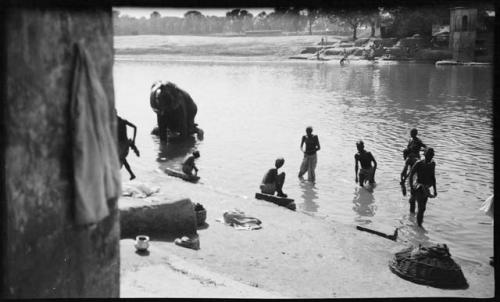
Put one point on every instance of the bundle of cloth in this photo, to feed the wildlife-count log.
(240, 221)
(138, 190)
(487, 206)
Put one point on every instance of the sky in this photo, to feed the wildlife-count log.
(138, 12)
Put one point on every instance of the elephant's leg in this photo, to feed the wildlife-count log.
(190, 119)
(162, 126)
(191, 110)
(184, 126)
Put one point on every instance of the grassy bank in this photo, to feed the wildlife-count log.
(278, 46)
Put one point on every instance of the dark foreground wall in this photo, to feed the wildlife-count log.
(45, 254)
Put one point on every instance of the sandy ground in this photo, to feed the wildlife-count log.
(294, 255)
(161, 274)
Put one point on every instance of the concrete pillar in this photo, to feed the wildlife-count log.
(45, 255)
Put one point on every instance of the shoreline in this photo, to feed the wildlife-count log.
(333, 260)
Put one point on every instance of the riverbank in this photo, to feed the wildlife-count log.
(293, 255)
(192, 46)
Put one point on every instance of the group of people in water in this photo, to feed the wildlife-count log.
(420, 173)
(365, 166)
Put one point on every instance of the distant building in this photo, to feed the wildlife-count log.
(463, 30)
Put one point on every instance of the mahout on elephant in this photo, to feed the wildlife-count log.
(175, 111)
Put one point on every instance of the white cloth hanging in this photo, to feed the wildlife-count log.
(487, 206)
(95, 157)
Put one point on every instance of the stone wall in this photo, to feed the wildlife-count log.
(45, 254)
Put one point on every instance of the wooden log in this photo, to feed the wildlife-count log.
(281, 201)
(392, 237)
(166, 218)
(174, 173)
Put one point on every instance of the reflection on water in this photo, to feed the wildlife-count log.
(172, 153)
(364, 204)
(169, 151)
(411, 233)
(253, 112)
(309, 195)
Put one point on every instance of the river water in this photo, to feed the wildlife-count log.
(253, 110)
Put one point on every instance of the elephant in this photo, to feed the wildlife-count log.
(175, 110)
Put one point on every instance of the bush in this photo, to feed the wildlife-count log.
(334, 52)
(358, 52)
(395, 51)
(360, 42)
(310, 50)
(388, 42)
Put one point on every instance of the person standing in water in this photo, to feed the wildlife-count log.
(426, 178)
(415, 145)
(310, 157)
(365, 158)
(344, 58)
(273, 181)
(124, 143)
(411, 155)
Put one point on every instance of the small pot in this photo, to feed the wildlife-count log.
(142, 242)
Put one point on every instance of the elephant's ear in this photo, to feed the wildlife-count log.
(154, 97)
(155, 85)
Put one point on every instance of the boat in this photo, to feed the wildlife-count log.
(281, 201)
(174, 173)
(450, 62)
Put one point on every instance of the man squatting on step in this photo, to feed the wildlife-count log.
(188, 165)
(272, 181)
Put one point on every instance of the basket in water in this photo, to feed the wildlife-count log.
(429, 266)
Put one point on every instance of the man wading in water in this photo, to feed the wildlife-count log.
(272, 181)
(420, 191)
(367, 172)
(310, 158)
(411, 155)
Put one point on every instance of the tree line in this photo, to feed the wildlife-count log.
(236, 21)
(399, 21)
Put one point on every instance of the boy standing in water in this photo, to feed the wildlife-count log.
(426, 178)
(124, 144)
(188, 165)
(411, 155)
(272, 181)
(415, 145)
(310, 158)
(367, 171)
